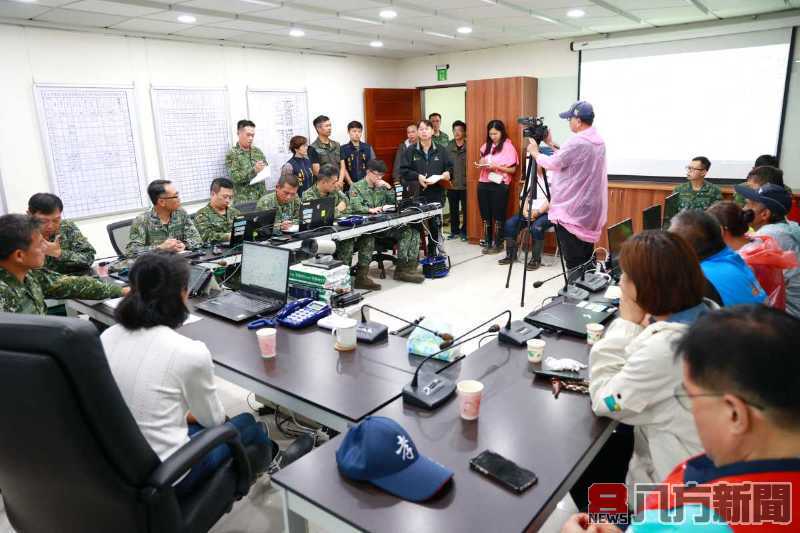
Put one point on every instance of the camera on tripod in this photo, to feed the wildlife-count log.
(534, 128)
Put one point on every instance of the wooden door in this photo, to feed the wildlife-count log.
(387, 112)
(503, 99)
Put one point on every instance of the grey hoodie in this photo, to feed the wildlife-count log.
(787, 234)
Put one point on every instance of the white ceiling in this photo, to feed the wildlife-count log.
(348, 26)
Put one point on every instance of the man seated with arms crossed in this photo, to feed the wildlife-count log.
(24, 284)
(214, 221)
(741, 374)
(732, 281)
(284, 201)
(67, 250)
(368, 196)
(166, 226)
(696, 192)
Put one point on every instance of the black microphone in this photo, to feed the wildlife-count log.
(370, 332)
(429, 390)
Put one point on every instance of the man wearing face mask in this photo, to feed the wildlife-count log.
(770, 203)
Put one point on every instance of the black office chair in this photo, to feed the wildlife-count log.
(119, 233)
(71, 455)
(383, 245)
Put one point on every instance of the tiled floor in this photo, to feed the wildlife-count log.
(474, 291)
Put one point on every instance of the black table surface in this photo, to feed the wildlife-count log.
(520, 419)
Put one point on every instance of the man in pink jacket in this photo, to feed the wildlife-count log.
(578, 185)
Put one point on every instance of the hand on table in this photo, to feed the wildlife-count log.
(172, 245)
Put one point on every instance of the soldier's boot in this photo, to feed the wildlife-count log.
(487, 238)
(363, 281)
(511, 252)
(536, 255)
(406, 271)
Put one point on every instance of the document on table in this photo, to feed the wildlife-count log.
(261, 176)
(114, 302)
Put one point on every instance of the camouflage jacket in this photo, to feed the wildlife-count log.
(314, 194)
(289, 211)
(442, 139)
(77, 255)
(241, 164)
(363, 197)
(214, 227)
(329, 153)
(28, 296)
(702, 199)
(147, 232)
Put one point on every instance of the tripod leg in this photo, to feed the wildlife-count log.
(528, 240)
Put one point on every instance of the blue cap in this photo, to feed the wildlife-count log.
(774, 197)
(581, 109)
(379, 450)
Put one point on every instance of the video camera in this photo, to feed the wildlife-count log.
(534, 128)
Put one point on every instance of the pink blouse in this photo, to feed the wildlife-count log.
(506, 157)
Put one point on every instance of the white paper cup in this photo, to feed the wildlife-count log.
(536, 350)
(267, 340)
(594, 332)
(469, 398)
(345, 334)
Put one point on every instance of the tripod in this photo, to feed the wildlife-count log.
(527, 238)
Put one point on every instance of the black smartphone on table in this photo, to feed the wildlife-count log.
(503, 471)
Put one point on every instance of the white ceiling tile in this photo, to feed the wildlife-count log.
(614, 24)
(232, 6)
(671, 15)
(344, 5)
(453, 4)
(630, 5)
(150, 26)
(80, 18)
(481, 13)
(53, 3)
(17, 10)
(592, 11)
(292, 14)
(255, 38)
(735, 8)
(246, 25)
(207, 32)
(172, 16)
(114, 8)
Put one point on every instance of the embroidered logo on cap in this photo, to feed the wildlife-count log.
(404, 449)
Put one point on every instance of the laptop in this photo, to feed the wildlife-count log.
(651, 217)
(264, 287)
(570, 318)
(672, 204)
(317, 213)
(252, 226)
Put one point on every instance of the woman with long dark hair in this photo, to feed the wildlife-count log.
(498, 162)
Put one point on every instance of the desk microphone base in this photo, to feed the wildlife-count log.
(371, 332)
(432, 391)
(573, 293)
(519, 334)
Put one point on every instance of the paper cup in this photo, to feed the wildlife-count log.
(469, 398)
(594, 332)
(102, 269)
(536, 350)
(267, 338)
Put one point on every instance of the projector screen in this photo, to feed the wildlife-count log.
(658, 105)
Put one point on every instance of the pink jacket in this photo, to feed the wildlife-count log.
(579, 185)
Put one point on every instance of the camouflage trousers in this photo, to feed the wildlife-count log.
(407, 239)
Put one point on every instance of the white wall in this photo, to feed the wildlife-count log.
(334, 85)
(790, 151)
(450, 102)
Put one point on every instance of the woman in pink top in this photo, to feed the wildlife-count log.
(498, 162)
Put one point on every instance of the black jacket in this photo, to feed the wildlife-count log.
(415, 162)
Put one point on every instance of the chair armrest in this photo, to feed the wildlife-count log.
(195, 451)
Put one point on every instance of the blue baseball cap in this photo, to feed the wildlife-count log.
(379, 450)
(774, 197)
(581, 109)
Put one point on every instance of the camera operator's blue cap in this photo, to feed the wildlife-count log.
(380, 451)
(580, 109)
(774, 197)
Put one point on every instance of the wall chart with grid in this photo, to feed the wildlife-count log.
(92, 148)
(279, 116)
(193, 135)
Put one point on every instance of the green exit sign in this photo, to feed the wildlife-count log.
(441, 72)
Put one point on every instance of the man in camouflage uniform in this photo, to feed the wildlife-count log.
(244, 161)
(166, 226)
(67, 250)
(284, 201)
(697, 193)
(327, 185)
(214, 221)
(368, 196)
(439, 137)
(324, 150)
(24, 285)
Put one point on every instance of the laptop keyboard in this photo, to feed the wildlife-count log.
(250, 304)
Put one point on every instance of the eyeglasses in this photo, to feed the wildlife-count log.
(684, 399)
(690, 168)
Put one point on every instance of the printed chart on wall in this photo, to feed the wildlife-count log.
(193, 135)
(92, 148)
(279, 116)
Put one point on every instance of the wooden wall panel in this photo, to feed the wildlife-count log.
(504, 99)
(387, 112)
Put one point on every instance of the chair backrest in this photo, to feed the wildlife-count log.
(71, 455)
(119, 233)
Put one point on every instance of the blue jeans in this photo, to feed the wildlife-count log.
(537, 229)
(249, 431)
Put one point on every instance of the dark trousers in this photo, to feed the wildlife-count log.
(610, 465)
(537, 229)
(458, 205)
(250, 432)
(574, 250)
(492, 199)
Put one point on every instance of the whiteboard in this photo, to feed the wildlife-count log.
(91, 145)
(193, 136)
(279, 116)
